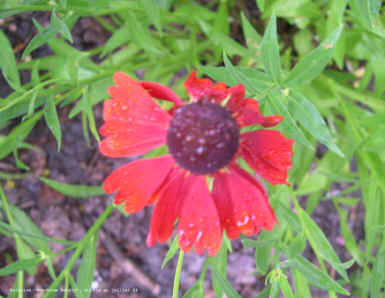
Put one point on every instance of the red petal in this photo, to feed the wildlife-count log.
(131, 108)
(199, 221)
(137, 181)
(167, 208)
(130, 139)
(204, 88)
(269, 153)
(242, 204)
(161, 92)
(247, 113)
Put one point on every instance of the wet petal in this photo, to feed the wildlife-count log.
(137, 181)
(242, 204)
(162, 92)
(205, 89)
(199, 222)
(247, 113)
(134, 139)
(167, 208)
(129, 109)
(269, 153)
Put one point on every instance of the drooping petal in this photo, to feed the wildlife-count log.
(268, 153)
(246, 111)
(123, 139)
(199, 222)
(161, 92)
(137, 181)
(205, 89)
(167, 208)
(242, 205)
(129, 110)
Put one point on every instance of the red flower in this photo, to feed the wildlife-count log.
(204, 139)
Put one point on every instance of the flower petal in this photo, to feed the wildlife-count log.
(130, 110)
(205, 89)
(269, 153)
(247, 112)
(167, 208)
(161, 92)
(199, 222)
(242, 205)
(124, 139)
(137, 181)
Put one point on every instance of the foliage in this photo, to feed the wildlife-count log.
(325, 75)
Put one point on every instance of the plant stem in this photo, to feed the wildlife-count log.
(91, 232)
(177, 275)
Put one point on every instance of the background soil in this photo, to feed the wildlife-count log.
(123, 259)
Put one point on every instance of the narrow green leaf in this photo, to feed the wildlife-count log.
(320, 244)
(313, 63)
(196, 291)
(227, 287)
(300, 283)
(171, 252)
(86, 270)
(275, 101)
(20, 265)
(270, 50)
(62, 27)
(315, 276)
(220, 263)
(74, 190)
(44, 35)
(119, 37)
(24, 223)
(152, 9)
(307, 114)
(221, 23)
(8, 63)
(52, 120)
(256, 82)
(17, 135)
(285, 286)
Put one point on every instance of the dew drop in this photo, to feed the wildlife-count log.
(199, 236)
(200, 150)
(244, 222)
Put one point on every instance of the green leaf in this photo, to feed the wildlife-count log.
(315, 276)
(74, 190)
(85, 274)
(20, 265)
(253, 38)
(256, 82)
(320, 244)
(285, 286)
(22, 222)
(307, 114)
(52, 120)
(220, 263)
(8, 63)
(46, 34)
(196, 291)
(224, 283)
(313, 63)
(270, 51)
(171, 252)
(152, 9)
(17, 135)
(275, 101)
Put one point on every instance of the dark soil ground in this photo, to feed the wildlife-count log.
(124, 262)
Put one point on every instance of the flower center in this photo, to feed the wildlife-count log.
(203, 137)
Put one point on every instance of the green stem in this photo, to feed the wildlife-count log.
(177, 275)
(91, 232)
